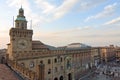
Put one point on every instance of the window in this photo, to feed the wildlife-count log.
(49, 61)
(55, 60)
(61, 67)
(22, 64)
(68, 64)
(61, 59)
(13, 39)
(49, 71)
(17, 24)
(49, 79)
(56, 69)
(41, 62)
(22, 24)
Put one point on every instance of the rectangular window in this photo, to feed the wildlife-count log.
(49, 71)
(49, 61)
(56, 69)
(55, 60)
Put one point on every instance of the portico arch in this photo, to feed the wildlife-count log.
(61, 78)
(55, 78)
(69, 76)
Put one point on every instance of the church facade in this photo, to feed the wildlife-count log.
(45, 61)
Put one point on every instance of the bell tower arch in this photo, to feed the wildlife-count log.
(21, 21)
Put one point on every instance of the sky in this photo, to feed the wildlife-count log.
(61, 22)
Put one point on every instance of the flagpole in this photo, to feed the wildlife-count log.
(13, 21)
(31, 24)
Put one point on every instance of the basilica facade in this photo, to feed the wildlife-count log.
(35, 60)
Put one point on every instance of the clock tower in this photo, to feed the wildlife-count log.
(20, 36)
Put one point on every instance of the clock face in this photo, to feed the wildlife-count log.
(31, 64)
(22, 44)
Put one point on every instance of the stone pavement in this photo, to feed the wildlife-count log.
(102, 77)
(6, 73)
(104, 73)
(116, 78)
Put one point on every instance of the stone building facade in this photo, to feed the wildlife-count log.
(107, 53)
(117, 54)
(38, 61)
(30, 54)
(2, 55)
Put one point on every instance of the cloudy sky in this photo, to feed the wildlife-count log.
(61, 22)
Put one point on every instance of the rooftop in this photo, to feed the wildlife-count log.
(6, 73)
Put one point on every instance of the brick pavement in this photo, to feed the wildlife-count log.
(6, 73)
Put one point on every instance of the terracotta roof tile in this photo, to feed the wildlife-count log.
(6, 73)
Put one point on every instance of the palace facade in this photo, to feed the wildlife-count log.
(34, 60)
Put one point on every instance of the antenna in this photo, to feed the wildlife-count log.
(21, 3)
(13, 21)
(30, 24)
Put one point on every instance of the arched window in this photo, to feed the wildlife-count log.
(56, 69)
(61, 78)
(68, 64)
(49, 71)
(22, 24)
(55, 60)
(17, 24)
(41, 62)
(61, 67)
(56, 79)
(61, 59)
(49, 61)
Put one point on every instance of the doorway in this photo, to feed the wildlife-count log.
(69, 76)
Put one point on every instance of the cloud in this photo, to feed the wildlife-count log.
(45, 6)
(18, 3)
(88, 35)
(114, 21)
(72, 30)
(68, 33)
(28, 11)
(56, 11)
(64, 8)
(4, 41)
(47, 11)
(108, 11)
(87, 4)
